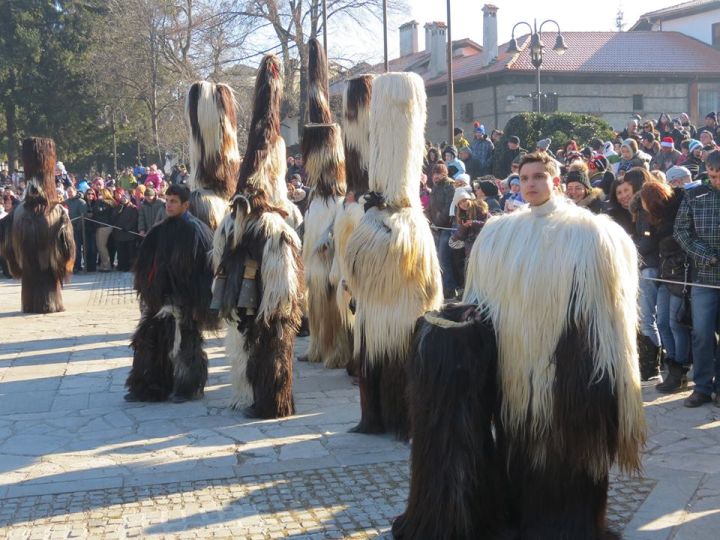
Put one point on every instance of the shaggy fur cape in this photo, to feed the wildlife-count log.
(356, 139)
(214, 158)
(173, 278)
(37, 237)
(455, 485)
(260, 340)
(394, 272)
(564, 308)
(325, 166)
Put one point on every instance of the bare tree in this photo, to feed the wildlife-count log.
(294, 23)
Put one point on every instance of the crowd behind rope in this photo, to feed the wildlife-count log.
(659, 180)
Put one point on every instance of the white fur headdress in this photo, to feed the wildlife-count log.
(396, 155)
(212, 119)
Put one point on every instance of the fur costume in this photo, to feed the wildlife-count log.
(455, 486)
(214, 157)
(564, 308)
(394, 272)
(259, 282)
(37, 237)
(173, 278)
(356, 138)
(325, 166)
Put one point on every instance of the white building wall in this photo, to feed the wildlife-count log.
(613, 102)
(698, 26)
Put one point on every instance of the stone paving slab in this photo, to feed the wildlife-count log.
(77, 461)
(356, 502)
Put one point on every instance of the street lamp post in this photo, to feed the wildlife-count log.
(109, 118)
(536, 49)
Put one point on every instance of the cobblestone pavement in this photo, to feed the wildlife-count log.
(77, 461)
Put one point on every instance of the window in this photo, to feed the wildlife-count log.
(443, 112)
(468, 112)
(638, 102)
(549, 102)
(716, 35)
(708, 100)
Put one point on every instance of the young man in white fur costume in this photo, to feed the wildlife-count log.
(325, 166)
(560, 285)
(394, 273)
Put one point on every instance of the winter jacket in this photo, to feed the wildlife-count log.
(469, 233)
(459, 167)
(153, 180)
(664, 160)
(645, 236)
(641, 159)
(76, 207)
(494, 205)
(125, 216)
(472, 167)
(482, 150)
(149, 213)
(101, 211)
(622, 217)
(440, 201)
(127, 181)
(594, 201)
(504, 166)
(697, 230)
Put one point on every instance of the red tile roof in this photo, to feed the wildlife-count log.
(669, 53)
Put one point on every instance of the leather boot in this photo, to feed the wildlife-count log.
(649, 358)
(675, 380)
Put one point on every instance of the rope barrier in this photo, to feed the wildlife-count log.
(689, 284)
(107, 225)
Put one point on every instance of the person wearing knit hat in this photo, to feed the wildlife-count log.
(694, 145)
(482, 149)
(680, 176)
(455, 166)
(544, 144)
(486, 190)
(667, 157)
(631, 157)
(459, 139)
(580, 191)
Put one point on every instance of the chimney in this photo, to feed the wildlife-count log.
(409, 38)
(490, 43)
(436, 45)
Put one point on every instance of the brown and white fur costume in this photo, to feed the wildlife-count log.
(37, 237)
(560, 287)
(324, 160)
(261, 338)
(356, 139)
(211, 116)
(394, 272)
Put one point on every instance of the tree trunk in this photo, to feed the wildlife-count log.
(11, 125)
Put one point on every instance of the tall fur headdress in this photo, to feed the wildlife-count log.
(397, 127)
(263, 168)
(356, 131)
(214, 157)
(39, 157)
(322, 148)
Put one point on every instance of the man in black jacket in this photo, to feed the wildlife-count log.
(125, 216)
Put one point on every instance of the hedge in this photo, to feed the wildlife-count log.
(560, 127)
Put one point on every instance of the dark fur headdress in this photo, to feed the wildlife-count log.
(356, 132)
(322, 149)
(265, 151)
(39, 157)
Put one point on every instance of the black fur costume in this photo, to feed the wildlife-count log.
(173, 278)
(455, 487)
(37, 238)
(260, 267)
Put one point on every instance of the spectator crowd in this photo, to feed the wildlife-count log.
(659, 180)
